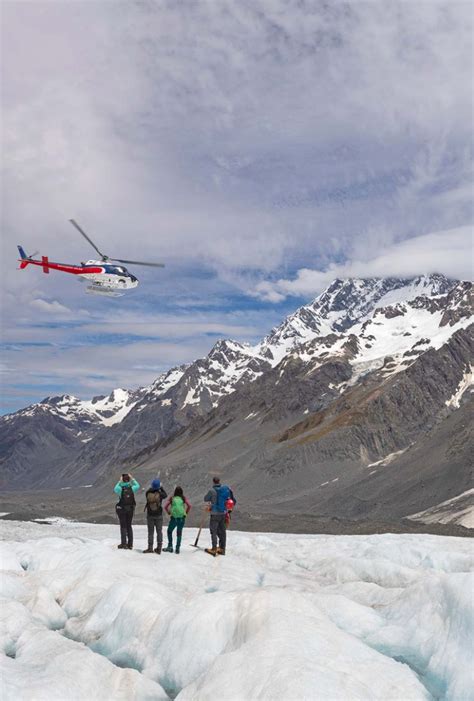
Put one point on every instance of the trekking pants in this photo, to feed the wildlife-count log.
(155, 523)
(218, 532)
(175, 523)
(125, 517)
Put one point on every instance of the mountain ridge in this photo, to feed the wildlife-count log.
(359, 340)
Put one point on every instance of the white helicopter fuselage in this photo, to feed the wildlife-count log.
(106, 276)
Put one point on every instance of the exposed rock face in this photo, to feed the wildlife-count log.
(327, 413)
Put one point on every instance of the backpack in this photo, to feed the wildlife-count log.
(223, 493)
(178, 507)
(153, 503)
(127, 498)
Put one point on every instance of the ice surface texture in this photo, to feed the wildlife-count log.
(280, 617)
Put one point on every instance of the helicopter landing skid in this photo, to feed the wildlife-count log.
(103, 291)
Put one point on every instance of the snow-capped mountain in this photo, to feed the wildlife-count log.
(201, 384)
(50, 432)
(360, 377)
(113, 408)
(99, 411)
(331, 316)
(346, 303)
(396, 333)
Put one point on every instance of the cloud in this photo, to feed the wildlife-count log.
(448, 252)
(51, 308)
(237, 136)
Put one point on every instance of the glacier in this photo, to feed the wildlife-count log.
(281, 617)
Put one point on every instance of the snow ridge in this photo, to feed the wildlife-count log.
(375, 323)
(105, 411)
(383, 317)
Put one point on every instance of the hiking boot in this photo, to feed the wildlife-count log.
(177, 550)
(158, 550)
(129, 547)
(211, 551)
(148, 550)
(221, 551)
(122, 547)
(169, 549)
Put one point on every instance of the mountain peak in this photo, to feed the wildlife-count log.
(346, 302)
(229, 349)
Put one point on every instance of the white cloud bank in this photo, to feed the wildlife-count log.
(449, 252)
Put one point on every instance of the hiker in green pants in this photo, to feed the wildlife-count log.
(178, 508)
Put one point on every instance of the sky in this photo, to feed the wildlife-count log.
(259, 148)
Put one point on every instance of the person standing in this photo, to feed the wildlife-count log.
(125, 508)
(217, 497)
(154, 515)
(178, 507)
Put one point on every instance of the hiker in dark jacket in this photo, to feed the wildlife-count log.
(217, 497)
(178, 507)
(125, 508)
(154, 515)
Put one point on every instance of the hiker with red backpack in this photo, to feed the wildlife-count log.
(126, 488)
(154, 515)
(178, 507)
(218, 498)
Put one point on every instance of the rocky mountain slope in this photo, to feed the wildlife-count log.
(327, 413)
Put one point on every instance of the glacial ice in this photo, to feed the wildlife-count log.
(281, 617)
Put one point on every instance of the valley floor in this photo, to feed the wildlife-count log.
(88, 506)
(280, 617)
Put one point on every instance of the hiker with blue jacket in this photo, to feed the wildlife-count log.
(126, 488)
(154, 515)
(217, 498)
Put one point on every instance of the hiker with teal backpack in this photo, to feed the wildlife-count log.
(178, 507)
(125, 508)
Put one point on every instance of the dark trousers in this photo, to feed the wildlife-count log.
(125, 517)
(155, 523)
(217, 528)
(175, 523)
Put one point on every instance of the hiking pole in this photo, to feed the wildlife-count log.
(195, 544)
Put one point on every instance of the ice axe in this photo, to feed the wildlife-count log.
(195, 544)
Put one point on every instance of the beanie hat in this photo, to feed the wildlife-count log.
(155, 484)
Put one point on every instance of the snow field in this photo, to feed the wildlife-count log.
(280, 617)
(458, 510)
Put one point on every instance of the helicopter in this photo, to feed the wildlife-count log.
(104, 277)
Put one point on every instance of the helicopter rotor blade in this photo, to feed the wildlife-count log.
(139, 262)
(76, 225)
